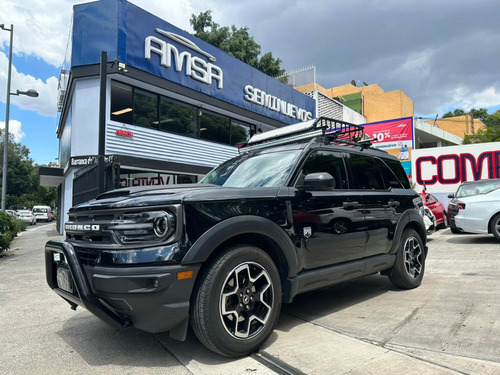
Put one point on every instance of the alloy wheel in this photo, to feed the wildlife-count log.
(413, 257)
(246, 300)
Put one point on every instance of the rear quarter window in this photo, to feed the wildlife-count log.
(398, 171)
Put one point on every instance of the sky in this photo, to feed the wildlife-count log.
(443, 54)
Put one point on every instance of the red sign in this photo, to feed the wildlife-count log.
(391, 134)
(124, 133)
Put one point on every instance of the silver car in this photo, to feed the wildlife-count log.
(27, 216)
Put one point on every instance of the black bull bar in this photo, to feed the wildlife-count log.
(83, 295)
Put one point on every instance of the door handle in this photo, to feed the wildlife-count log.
(393, 203)
(350, 205)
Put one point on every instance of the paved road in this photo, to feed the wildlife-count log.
(449, 325)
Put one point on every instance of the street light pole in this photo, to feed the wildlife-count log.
(6, 132)
(31, 93)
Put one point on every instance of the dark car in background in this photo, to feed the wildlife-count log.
(468, 189)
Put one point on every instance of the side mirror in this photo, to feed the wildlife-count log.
(452, 195)
(319, 181)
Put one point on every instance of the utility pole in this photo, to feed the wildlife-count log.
(102, 123)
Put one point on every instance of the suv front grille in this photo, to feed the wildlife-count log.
(87, 257)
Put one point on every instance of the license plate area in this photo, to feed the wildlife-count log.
(63, 274)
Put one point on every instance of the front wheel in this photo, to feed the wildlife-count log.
(495, 226)
(408, 270)
(237, 301)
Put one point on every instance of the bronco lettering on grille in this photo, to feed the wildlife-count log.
(82, 227)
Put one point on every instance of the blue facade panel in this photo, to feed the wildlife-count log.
(148, 43)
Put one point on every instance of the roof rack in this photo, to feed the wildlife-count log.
(333, 130)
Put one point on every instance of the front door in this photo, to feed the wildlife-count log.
(331, 221)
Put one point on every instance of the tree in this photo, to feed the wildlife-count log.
(489, 134)
(23, 186)
(456, 112)
(480, 113)
(236, 42)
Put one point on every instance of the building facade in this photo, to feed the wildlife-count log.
(146, 103)
(371, 101)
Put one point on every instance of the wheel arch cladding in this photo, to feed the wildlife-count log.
(410, 219)
(251, 230)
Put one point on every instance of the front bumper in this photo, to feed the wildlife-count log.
(150, 298)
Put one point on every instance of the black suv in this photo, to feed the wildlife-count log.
(302, 207)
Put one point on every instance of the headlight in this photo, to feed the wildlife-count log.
(143, 227)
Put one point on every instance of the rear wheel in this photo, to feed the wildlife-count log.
(237, 302)
(495, 226)
(409, 267)
(444, 224)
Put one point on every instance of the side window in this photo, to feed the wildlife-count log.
(326, 161)
(399, 171)
(389, 177)
(365, 172)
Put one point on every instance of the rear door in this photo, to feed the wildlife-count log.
(381, 199)
(331, 221)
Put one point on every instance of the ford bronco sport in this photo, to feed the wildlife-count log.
(302, 207)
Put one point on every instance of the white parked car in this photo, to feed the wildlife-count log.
(11, 213)
(27, 216)
(479, 213)
(43, 213)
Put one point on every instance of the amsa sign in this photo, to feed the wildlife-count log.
(152, 45)
(444, 168)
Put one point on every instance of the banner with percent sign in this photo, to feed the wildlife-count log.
(395, 137)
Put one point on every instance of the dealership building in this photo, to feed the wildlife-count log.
(146, 103)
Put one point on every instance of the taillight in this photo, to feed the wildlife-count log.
(461, 206)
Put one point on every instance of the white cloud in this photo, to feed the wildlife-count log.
(44, 104)
(42, 28)
(14, 130)
(462, 98)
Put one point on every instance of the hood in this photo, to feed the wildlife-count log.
(154, 196)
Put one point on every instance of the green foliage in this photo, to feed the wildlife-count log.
(481, 113)
(9, 227)
(456, 112)
(490, 134)
(236, 42)
(23, 182)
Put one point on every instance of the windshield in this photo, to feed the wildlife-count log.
(261, 170)
(39, 210)
(483, 187)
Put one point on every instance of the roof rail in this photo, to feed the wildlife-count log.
(334, 130)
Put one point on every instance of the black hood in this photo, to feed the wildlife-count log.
(153, 196)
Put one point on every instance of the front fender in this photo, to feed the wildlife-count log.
(241, 225)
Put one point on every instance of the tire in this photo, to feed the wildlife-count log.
(444, 224)
(495, 226)
(237, 301)
(455, 230)
(408, 270)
